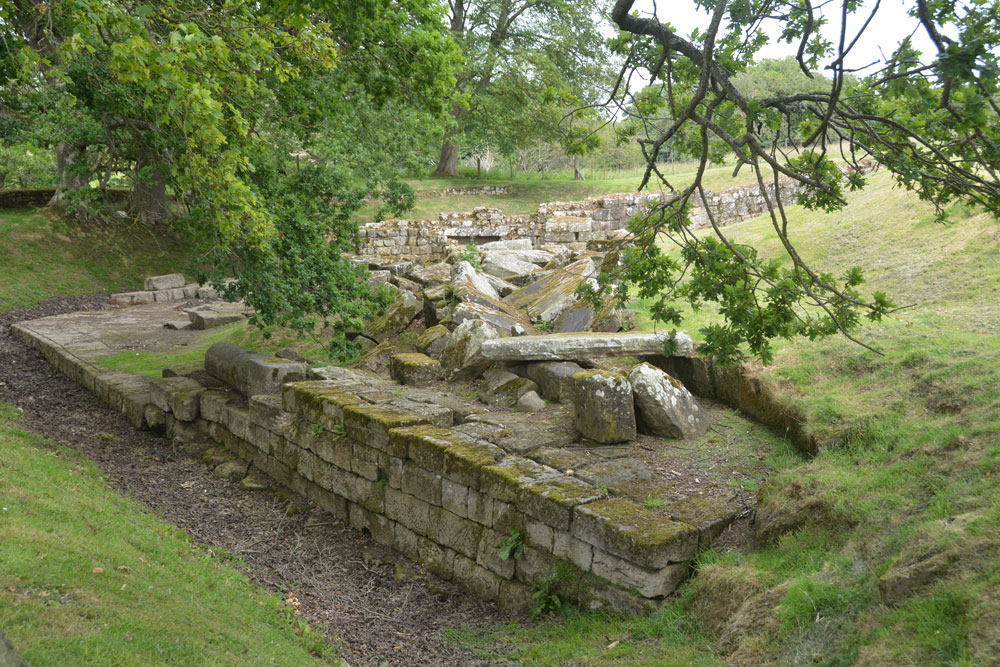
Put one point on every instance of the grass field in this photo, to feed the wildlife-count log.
(911, 481)
(89, 578)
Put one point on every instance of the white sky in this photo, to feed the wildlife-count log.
(890, 25)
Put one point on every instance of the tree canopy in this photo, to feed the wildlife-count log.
(218, 104)
(931, 119)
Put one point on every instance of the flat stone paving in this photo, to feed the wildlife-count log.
(720, 470)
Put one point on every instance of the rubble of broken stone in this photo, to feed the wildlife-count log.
(510, 316)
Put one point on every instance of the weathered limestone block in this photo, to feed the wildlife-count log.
(506, 265)
(433, 340)
(502, 287)
(665, 406)
(371, 424)
(461, 358)
(396, 318)
(709, 515)
(265, 411)
(456, 456)
(319, 401)
(465, 274)
(503, 388)
(507, 480)
(507, 245)
(552, 500)
(163, 295)
(650, 583)
(251, 373)
(427, 275)
(169, 281)
(476, 579)
(212, 402)
(459, 534)
(421, 483)
(417, 370)
(570, 346)
(635, 533)
(131, 298)
(530, 402)
(550, 376)
(548, 297)
(506, 324)
(179, 395)
(602, 402)
(206, 317)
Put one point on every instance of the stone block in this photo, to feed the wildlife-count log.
(168, 281)
(369, 462)
(635, 533)
(396, 318)
(546, 298)
(131, 298)
(265, 411)
(455, 497)
(550, 376)
(569, 548)
(586, 345)
(417, 515)
(476, 579)
(665, 407)
(461, 358)
(251, 373)
(416, 370)
(516, 597)
(452, 454)
(236, 419)
(603, 405)
(480, 508)
(371, 424)
(488, 554)
(552, 500)
(421, 483)
(655, 583)
(319, 401)
(459, 534)
(433, 340)
(503, 389)
(207, 317)
(179, 395)
(507, 480)
(381, 529)
(709, 515)
(212, 401)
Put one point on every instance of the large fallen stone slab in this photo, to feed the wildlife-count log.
(417, 370)
(464, 273)
(462, 359)
(603, 405)
(546, 298)
(551, 376)
(506, 265)
(665, 406)
(396, 318)
(509, 244)
(207, 317)
(570, 346)
(505, 323)
(503, 388)
(251, 373)
(169, 281)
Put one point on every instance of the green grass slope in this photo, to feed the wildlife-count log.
(89, 578)
(44, 256)
(909, 479)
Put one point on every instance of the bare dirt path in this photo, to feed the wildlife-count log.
(377, 606)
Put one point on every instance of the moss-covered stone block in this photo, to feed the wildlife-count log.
(179, 395)
(371, 424)
(414, 369)
(553, 500)
(319, 401)
(650, 583)
(602, 401)
(452, 454)
(635, 533)
(709, 515)
(508, 480)
(266, 411)
(421, 483)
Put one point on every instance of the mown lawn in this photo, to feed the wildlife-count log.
(90, 578)
(45, 256)
(909, 473)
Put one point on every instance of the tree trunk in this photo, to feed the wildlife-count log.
(479, 168)
(69, 180)
(448, 162)
(577, 174)
(148, 199)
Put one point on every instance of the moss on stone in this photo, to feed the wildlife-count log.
(635, 533)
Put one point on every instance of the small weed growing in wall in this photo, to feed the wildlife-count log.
(544, 325)
(317, 430)
(471, 255)
(544, 600)
(654, 502)
(512, 546)
(339, 430)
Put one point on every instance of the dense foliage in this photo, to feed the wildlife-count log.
(933, 122)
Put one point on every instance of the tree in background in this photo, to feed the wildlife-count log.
(933, 121)
(523, 58)
(208, 102)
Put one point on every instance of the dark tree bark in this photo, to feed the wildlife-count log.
(577, 174)
(148, 199)
(70, 180)
(448, 162)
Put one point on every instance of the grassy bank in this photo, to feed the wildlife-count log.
(88, 577)
(46, 256)
(907, 482)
